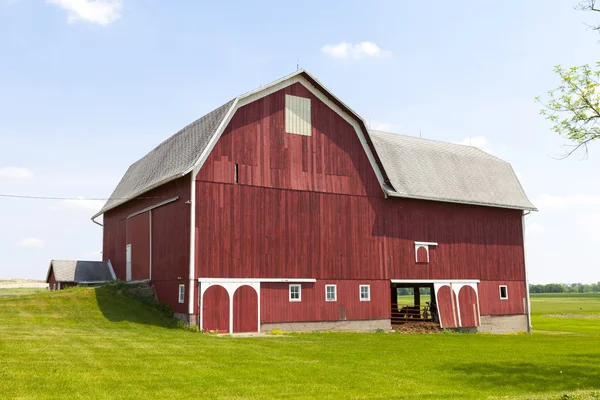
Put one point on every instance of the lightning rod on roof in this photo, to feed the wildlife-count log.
(297, 64)
(421, 136)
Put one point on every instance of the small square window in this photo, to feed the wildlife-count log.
(365, 292)
(181, 293)
(330, 293)
(503, 292)
(295, 293)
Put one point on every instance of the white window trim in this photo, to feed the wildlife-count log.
(181, 293)
(425, 245)
(299, 293)
(334, 292)
(500, 292)
(368, 292)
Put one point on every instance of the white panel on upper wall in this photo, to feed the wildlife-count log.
(297, 115)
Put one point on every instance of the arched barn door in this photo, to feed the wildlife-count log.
(245, 310)
(469, 313)
(215, 309)
(446, 305)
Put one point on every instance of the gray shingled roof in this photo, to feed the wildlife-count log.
(168, 160)
(80, 271)
(428, 169)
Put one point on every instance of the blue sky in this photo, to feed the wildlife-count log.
(87, 88)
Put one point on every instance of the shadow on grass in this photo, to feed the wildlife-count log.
(583, 372)
(117, 307)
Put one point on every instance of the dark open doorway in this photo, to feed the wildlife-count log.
(413, 302)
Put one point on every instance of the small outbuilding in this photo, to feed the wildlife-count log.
(67, 273)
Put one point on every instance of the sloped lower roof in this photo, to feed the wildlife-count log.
(80, 271)
(168, 160)
(433, 170)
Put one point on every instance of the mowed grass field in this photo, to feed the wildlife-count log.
(86, 343)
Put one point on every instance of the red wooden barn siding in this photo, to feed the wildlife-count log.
(245, 309)
(276, 307)
(489, 298)
(250, 232)
(332, 160)
(215, 309)
(51, 280)
(467, 299)
(447, 307)
(170, 239)
(138, 235)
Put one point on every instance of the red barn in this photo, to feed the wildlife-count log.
(282, 209)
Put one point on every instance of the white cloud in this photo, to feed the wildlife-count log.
(551, 202)
(15, 173)
(78, 204)
(102, 12)
(480, 142)
(357, 51)
(32, 242)
(534, 229)
(383, 126)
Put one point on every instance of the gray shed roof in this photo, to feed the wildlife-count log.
(80, 271)
(433, 170)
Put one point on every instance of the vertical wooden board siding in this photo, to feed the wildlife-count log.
(215, 309)
(51, 280)
(276, 307)
(467, 299)
(245, 310)
(446, 305)
(138, 235)
(170, 258)
(331, 159)
(257, 232)
(491, 304)
(168, 292)
(170, 236)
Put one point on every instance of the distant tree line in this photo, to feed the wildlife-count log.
(566, 288)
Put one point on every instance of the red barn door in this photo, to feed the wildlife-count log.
(245, 310)
(215, 309)
(469, 313)
(446, 304)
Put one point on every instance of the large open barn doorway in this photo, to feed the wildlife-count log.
(412, 303)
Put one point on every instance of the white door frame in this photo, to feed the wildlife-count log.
(128, 261)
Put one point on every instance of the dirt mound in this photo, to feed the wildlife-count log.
(418, 327)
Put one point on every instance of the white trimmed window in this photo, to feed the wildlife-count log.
(297, 115)
(181, 293)
(295, 292)
(330, 293)
(365, 292)
(503, 292)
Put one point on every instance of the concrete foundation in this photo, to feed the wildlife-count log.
(339, 326)
(503, 323)
(190, 319)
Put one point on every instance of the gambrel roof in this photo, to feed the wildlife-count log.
(81, 271)
(405, 166)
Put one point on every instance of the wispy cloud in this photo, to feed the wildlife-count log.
(102, 12)
(32, 243)
(15, 173)
(552, 202)
(384, 126)
(357, 51)
(480, 142)
(78, 204)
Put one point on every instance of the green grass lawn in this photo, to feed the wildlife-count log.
(18, 291)
(86, 343)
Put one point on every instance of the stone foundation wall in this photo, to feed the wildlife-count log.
(339, 326)
(503, 323)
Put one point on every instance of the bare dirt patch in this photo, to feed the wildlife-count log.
(418, 327)
(571, 315)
